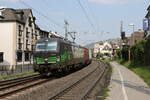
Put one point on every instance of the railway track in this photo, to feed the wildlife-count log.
(80, 89)
(9, 87)
(77, 89)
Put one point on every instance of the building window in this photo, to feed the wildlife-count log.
(32, 34)
(27, 33)
(32, 47)
(36, 37)
(30, 22)
(19, 44)
(1, 57)
(20, 31)
(27, 56)
(19, 56)
(27, 44)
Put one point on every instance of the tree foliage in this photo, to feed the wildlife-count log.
(147, 52)
(125, 53)
(137, 52)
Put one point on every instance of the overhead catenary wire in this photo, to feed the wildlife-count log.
(41, 14)
(86, 14)
(93, 15)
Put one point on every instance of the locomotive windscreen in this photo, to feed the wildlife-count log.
(52, 46)
(46, 46)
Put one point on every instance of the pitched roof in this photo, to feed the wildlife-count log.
(148, 14)
(148, 9)
(20, 15)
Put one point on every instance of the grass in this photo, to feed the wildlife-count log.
(17, 75)
(105, 93)
(105, 60)
(105, 90)
(142, 71)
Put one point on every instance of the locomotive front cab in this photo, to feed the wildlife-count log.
(46, 55)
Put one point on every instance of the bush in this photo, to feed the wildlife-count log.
(99, 55)
(147, 53)
(125, 53)
(137, 53)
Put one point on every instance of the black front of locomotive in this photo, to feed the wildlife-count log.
(46, 55)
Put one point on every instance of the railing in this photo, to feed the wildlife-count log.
(16, 69)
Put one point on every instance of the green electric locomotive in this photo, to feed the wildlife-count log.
(53, 55)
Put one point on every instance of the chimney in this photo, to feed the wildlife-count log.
(22, 13)
(1, 10)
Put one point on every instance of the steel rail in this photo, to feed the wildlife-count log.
(16, 79)
(22, 88)
(18, 82)
(68, 88)
(94, 84)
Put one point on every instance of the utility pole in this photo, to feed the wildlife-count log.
(122, 37)
(66, 29)
(23, 52)
(73, 36)
(121, 26)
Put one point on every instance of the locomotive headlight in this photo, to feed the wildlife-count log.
(46, 60)
(58, 59)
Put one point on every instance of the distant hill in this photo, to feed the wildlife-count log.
(89, 45)
(109, 40)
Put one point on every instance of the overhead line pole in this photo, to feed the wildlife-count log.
(66, 29)
(73, 36)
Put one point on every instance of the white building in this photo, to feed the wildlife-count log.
(103, 48)
(18, 33)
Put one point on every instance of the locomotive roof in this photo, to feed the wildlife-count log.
(56, 39)
(59, 40)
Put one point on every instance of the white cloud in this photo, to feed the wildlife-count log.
(113, 1)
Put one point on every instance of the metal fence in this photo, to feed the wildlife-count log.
(16, 69)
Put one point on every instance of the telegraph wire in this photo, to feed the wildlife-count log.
(49, 19)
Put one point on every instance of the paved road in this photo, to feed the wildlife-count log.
(126, 85)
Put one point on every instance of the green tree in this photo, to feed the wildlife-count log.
(137, 52)
(125, 53)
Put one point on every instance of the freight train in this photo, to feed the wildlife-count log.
(54, 55)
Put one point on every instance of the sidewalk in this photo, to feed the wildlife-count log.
(126, 85)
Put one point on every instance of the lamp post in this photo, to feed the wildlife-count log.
(132, 25)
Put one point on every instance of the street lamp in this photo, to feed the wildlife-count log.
(133, 39)
(132, 26)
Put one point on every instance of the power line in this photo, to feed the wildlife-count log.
(40, 13)
(93, 15)
(86, 14)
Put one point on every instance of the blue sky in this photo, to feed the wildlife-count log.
(105, 15)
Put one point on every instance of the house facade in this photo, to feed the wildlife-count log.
(146, 24)
(103, 48)
(136, 37)
(18, 33)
